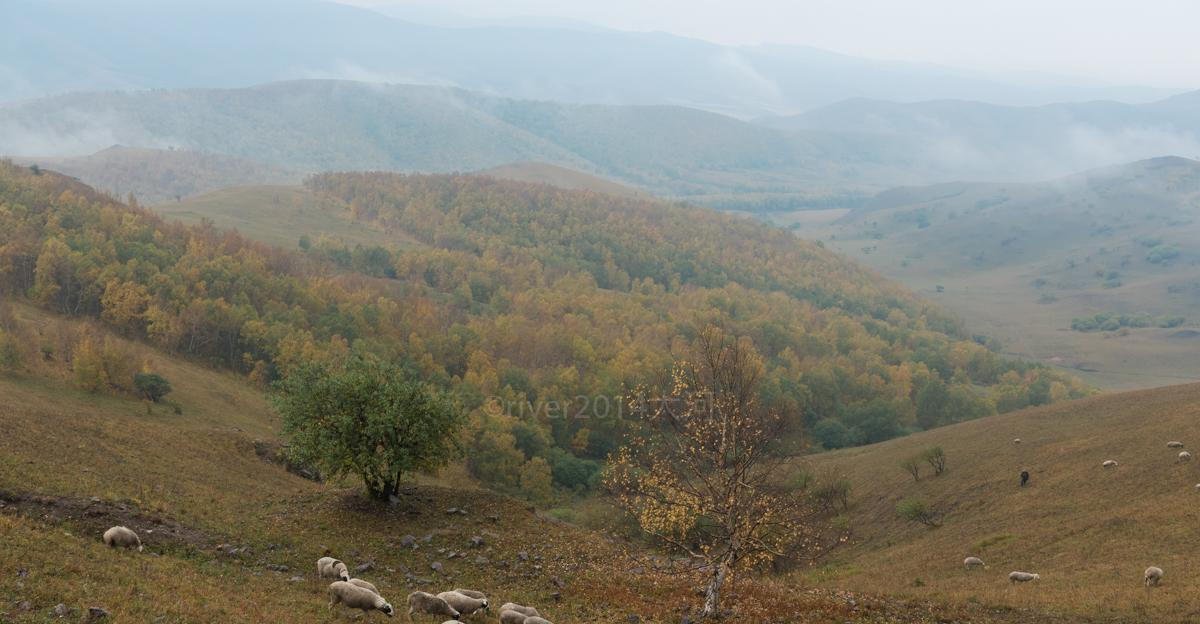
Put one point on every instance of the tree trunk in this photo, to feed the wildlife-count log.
(712, 596)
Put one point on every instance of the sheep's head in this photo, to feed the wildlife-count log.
(485, 604)
(1037, 576)
(387, 609)
(345, 576)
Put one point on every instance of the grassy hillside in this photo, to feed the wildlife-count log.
(542, 173)
(228, 533)
(528, 302)
(276, 215)
(1021, 261)
(1089, 531)
(158, 175)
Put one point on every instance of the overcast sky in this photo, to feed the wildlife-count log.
(1147, 42)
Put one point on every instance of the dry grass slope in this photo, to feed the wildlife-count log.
(227, 532)
(1089, 531)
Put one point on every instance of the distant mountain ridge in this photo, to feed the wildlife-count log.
(321, 125)
(986, 141)
(830, 158)
(55, 46)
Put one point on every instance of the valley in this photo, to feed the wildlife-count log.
(1023, 261)
(521, 312)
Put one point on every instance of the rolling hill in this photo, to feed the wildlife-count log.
(218, 315)
(1089, 531)
(1021, 262)
(561, 177)
(158, 175)
(322, 125)
(54, 46)
(232, 536)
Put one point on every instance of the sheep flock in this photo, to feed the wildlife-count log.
(360, 594)
(459, 603)
(1153, 575)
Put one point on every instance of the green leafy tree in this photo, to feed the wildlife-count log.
(152, 386)
(368, 418)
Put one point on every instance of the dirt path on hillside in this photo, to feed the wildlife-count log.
(92, 517)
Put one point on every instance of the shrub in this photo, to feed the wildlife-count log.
(572, 472)
(103, 365)
(833, 493)
(936, 458)
(915, 510)
(153, 387)
(1161, 254)
(10, 353)
(913, 467)
(536, 481)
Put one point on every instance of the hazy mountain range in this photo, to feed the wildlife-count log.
(835, 155)
(54, 46)
(973, 140)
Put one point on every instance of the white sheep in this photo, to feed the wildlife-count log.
(973, 562)
(1185, 456)
(1022, 577)
(355, 597)
(328, 567)
(1110, 463)
(508, 616)
(122, 537)
(478, 595)
(1174, 444)
(462, 603)
(522, 609)
(363, 584)
(1153, 576)
(421, 602)
(1016, 440)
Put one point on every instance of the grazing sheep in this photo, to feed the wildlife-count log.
(1185, 456)
(122, 537)
(1174, 444)
(462, 603)
(1154, 576)
(522, 609)
(1016, 440)
(363, 584)
(1022, 577)
(1024, 477)
(478, 595)
(973, 562)
(421, 602)
(355, 597)
(508, 616)
(1109, 463)
(328, 567)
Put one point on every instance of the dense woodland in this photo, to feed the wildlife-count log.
(539, 308)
